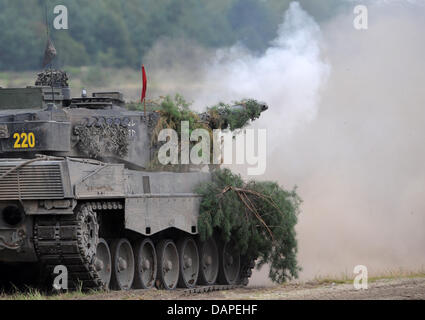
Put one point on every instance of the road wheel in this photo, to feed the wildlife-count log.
(189, 262)
(103, 263)
(146, 265)
(122, 265)
(209, 261)
(230, 264)
(168, 264)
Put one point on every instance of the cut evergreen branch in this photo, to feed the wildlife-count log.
(259, 216)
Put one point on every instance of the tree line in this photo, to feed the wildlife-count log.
(118, 33)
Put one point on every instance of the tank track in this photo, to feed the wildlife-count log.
(57, 241)
(205, 289)
(246, 271)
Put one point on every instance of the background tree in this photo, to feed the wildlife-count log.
(118, 33)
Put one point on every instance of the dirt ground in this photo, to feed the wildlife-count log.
(384, 289)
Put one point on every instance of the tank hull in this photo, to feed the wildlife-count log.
(56, 212)
(150, 202)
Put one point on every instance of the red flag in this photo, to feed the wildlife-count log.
(145, 84)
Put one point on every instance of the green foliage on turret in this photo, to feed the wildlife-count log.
(259, 216)
(174, 110)
(236, 116)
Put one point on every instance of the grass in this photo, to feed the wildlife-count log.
(30, 293)
(399, 274)
(346, 278)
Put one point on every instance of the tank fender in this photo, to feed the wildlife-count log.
(107, 181)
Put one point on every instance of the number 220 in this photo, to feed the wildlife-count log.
(28, 140)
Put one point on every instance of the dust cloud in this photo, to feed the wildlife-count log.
(346, 124)
(360, 163)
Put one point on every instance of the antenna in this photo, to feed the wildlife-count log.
(47, 21)
(48, 38)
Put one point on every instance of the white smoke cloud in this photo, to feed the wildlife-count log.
(359, 164)
(288, 76)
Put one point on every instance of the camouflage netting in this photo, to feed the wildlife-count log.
(100, 141)
(52, 78)
(259, 216)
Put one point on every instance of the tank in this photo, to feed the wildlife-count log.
(76, 194)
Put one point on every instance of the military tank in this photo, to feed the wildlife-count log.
(75, 191)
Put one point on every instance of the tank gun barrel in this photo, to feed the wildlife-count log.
(233, 117)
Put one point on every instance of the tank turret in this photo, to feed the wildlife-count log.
(44, 120)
